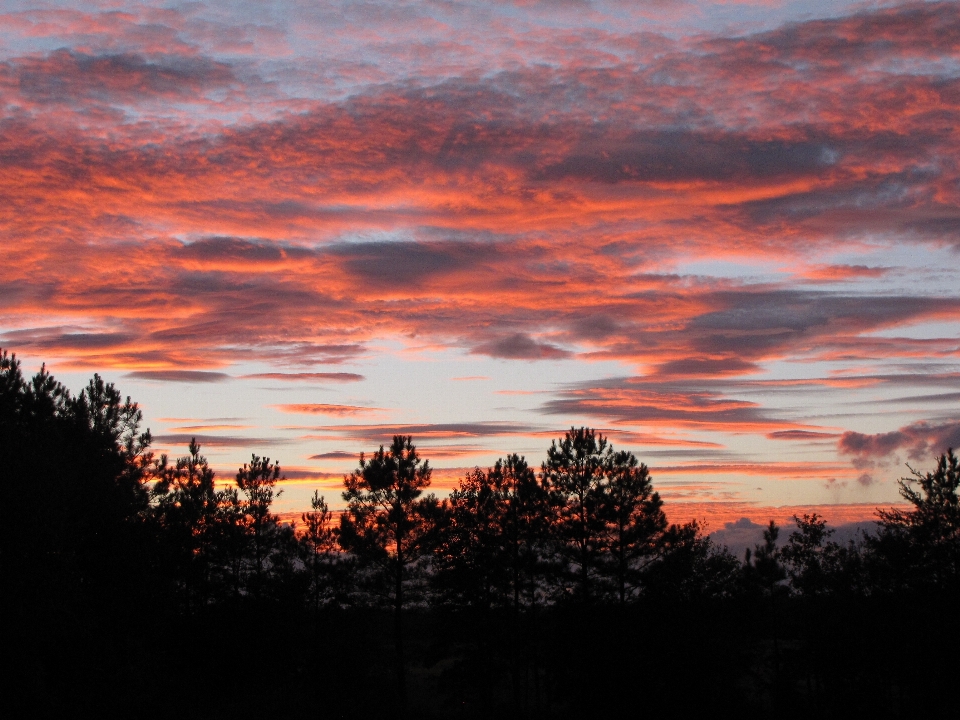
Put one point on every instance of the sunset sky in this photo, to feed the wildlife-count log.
(727, 235)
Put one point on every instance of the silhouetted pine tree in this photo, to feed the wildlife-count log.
(386, 526)
(819, 566)
(574, 472)
(633, 519)
(186, 510)
(920, 548)
(690, 567)
(491, 548)
(470, 558)
(75, 557)
(257, 482)
(319, 552)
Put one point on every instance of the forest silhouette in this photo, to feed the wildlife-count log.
(136, 585)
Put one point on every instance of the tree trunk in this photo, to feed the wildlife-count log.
(584, 549)
(622, 566)
(398, 636)
(515, 637)
(584, 571)
(622, 573)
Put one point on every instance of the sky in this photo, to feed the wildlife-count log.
(726, 235)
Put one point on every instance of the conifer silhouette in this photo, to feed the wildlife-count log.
(386, 526)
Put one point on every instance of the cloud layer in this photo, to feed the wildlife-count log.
(709, 208)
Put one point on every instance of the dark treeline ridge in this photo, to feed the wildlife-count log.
(135, 586)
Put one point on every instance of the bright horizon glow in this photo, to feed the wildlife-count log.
(725, 235)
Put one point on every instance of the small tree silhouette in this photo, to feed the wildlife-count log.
(763, 567)
(690, 567)
(186, 511)
(815, 563)
(318, 542)
(923, 544)
(386, 525)
(257, 481)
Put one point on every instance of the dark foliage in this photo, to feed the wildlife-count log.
(76, 562)
(386, 528)
(134, 585)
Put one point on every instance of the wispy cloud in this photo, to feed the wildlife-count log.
(182, 440)
(320, 377)
(181, 376)
(335, 455)
(384, 433)
(324, 409)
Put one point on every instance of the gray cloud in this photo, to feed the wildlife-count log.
(218, 440)
(322, 377)
(677, 155)
(180, 376)
(336, 455)
(73, 75)
(52, 339)
(228, 248)
(920, 440)
(706, 367)
(520, 347)
(407, 263)
(935, 398)
(800, 435)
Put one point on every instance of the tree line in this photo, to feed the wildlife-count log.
(130, 580)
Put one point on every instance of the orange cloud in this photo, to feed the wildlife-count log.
(806, 470)
(715, 514)
(323, 409)
(184, 193)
